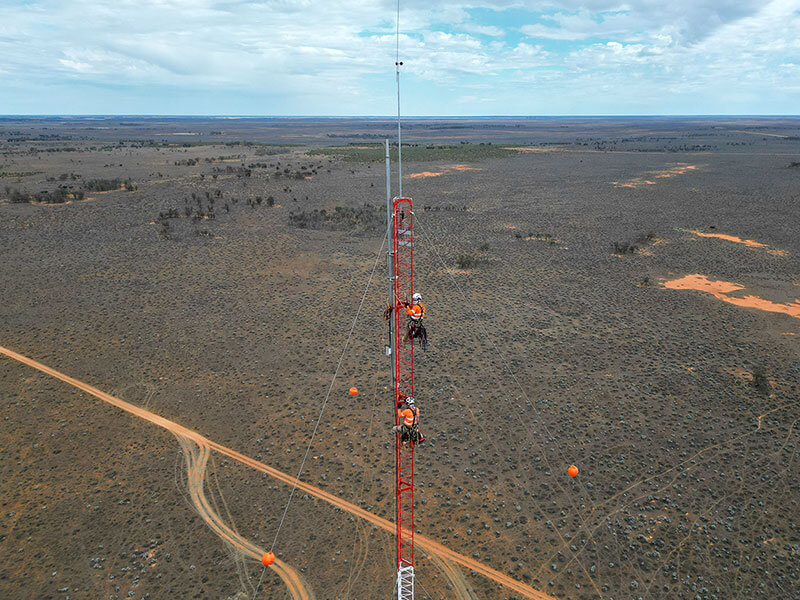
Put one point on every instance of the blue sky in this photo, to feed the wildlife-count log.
(313, 57)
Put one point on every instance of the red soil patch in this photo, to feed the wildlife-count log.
(662, 174)
(722, 289)
(676, 170)
(737, 240)
(446, 169)
(528, 149)
(424, 174)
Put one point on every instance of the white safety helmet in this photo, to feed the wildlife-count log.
(410, 401)
(417, 297)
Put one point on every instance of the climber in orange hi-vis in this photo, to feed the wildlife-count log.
(408, 419)
(416, 315)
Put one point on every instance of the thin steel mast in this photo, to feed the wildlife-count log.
(390, 257)
(397, 64)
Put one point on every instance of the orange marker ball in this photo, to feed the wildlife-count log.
(573, 471)
(353, 391)
(267, 559)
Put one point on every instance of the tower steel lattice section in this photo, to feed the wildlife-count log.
(403, 356)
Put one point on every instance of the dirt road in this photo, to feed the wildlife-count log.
(196, 448)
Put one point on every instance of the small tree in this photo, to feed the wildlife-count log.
(465, 261)
(760, 380)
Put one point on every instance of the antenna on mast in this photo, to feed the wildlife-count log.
(397, 64)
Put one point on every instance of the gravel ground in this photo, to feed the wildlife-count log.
(195, 294)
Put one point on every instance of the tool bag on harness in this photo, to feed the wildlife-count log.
(416, 330)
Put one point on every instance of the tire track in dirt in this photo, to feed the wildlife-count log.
(196, 457)
(289, 576)
(196, 451)
(462, 590)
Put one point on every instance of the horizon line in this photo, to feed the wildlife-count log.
(392, 117)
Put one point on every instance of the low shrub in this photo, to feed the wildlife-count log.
(760, 380)
(465, 261)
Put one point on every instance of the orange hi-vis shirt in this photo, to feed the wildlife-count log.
(408, 416)
(416, 311)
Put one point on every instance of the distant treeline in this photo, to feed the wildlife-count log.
(57, 196)
(106, 185)
(416, 152)
(365, 217)
(364, 136)
(63, 193)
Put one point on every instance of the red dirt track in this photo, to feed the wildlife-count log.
(288, 575)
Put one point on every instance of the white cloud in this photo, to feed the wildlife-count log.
(489, 30)
(552, 33)
(320, 56)
(690, 20)
(74, 65)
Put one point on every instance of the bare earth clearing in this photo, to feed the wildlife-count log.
(621, 294)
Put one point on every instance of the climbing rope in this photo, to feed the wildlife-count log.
(327, 396)
(507, 367)
(502, 357)
(360, 498)
(264, 570)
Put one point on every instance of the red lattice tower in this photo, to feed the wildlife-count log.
(403, 288)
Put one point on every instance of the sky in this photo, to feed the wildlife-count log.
(337, 57)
